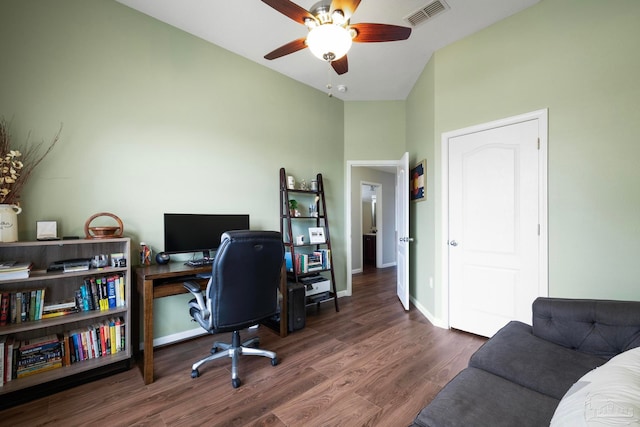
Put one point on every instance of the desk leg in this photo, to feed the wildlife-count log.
(147, 313)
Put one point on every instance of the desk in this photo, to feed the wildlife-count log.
(157, 281)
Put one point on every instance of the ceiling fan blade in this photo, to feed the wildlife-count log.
(372, 33)
(346, 6)
(286, 49)
(290, 9)
(341, 65)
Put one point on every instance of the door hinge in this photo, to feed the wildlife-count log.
(538, 229)
(538, 143)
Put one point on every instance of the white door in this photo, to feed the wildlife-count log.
(494, 257)
(402, 230)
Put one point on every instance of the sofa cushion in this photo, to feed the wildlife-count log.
(477, 398)
(599, 327)
(608, 395)
(515, 354)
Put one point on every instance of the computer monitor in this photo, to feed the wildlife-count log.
(185, 233)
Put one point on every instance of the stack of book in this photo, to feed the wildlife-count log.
(37, 355)
(12, 270)
(59, 309)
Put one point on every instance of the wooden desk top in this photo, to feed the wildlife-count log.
(167, 280)
(171, 270)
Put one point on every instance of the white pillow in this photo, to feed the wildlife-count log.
(606, 396)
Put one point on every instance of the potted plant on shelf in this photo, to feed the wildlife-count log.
(293, 208)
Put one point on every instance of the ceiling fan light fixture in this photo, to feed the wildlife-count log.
(337, 17)
(329, 42)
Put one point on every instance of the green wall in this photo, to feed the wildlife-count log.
(579, 59)
(156, 120)
(421, 141)
(374, 130)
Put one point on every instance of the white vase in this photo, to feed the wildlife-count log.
(9, 223)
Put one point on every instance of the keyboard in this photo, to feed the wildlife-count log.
(199, 262)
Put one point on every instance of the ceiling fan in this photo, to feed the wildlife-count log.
(330, 33)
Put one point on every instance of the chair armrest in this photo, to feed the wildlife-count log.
(194, 288)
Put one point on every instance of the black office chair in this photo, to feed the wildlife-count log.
(241, 293)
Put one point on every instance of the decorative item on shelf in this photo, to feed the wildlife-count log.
(293, 208)
(16, 166)
(145, 254)
(118, 260)
(300, 240)
(47, 230)
(316, 235)
(9, 223)
(312, 210)
(291, 182)
(100, 261)
(304, 186)
(106, 232)
(314, 185)
(163, 258)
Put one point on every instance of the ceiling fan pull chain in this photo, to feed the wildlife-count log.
(329, 86)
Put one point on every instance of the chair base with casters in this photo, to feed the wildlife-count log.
(234, 351)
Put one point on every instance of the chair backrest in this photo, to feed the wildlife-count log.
(245, 278)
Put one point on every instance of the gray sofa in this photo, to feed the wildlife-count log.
(519, 376)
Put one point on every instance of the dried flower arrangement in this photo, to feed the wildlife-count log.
(17, 163)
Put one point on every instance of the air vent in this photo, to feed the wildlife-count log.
(426, 13)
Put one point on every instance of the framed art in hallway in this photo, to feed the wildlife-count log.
(418, 182)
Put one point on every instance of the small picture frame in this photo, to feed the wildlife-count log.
(418, 182)
(47, 230)
(316, 235)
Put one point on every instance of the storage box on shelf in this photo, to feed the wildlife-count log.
(67, 321)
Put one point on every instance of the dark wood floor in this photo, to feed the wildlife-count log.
(371, 364)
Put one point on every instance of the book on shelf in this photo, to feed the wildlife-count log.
(55, 306)
(37, 355)
(304, 263)
(8, 359)
(101, 293)
(15, 271)
(97, 340)
(5, 299)
(3, 341)
(59, 312)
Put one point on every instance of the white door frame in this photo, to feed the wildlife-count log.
(542, 117)
(347, 203)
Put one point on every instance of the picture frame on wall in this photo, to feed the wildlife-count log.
(418, 182)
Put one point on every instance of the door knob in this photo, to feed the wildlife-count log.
(453, 243)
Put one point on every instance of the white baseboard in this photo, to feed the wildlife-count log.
(389, 264)
(435, 321)
(173, 338)
(356, 271)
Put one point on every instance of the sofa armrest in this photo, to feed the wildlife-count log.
(600, 327)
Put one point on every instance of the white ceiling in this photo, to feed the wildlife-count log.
(377, 71)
